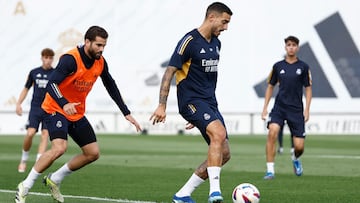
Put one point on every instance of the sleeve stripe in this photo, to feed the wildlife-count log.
(56, 90)
(183, 44)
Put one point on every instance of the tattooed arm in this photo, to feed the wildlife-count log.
(159, 115)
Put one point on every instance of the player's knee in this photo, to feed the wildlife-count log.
(272, 136)
(30, 133)
(219, 137)
(299, 148)
(93, 156)
(57, 151)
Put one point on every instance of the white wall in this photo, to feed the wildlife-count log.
(143, 34)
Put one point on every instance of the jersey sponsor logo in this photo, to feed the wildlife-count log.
(210, 65)
(83, 86)
(41, 83)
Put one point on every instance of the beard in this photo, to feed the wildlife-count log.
(95, 55)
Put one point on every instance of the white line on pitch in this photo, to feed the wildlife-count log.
(334, 156)
(82, 197)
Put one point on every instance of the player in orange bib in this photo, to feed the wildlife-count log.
(64, 103)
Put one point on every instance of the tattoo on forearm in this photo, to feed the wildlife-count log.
(165, 87)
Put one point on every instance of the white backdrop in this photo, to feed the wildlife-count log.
(143, 34)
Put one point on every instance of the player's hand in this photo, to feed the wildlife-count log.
(189, 126)
(134, 122)
(306, 116)
(19, 110)
(264, 115)
(70, 108)
(159, 115)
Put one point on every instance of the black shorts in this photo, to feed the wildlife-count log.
(36, 116)
(80, 131)
(200, 114)
(294, 119)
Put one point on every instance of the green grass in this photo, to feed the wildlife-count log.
(153, 168)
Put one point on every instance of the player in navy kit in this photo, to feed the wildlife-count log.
(37, 78)
(195, 63)
(293, 75)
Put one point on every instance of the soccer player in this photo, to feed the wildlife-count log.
(293, 75)
(64, 103)
(195, 63)
(37, 78)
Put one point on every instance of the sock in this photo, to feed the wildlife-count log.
(193, 182)
(60, 174)
(24, 156)
(270, 167)
(31, 178)
(38, 156)
(214, 178)
(292, 151)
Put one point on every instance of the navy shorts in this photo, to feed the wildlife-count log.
(36, 116)
(80, 131)
(200, 114)
(294, 119)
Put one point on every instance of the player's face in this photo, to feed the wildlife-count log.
(47, 61)
(95, 48)
(220, 23)
(291, 48)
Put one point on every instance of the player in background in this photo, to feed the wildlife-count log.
(195, 63)
(293, 75)
(37, 78)
(64, 103)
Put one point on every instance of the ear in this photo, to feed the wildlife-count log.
(87, 41)
(212, 16)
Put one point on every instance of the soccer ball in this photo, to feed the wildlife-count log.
(246, 193)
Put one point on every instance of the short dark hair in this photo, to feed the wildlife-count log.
(292, 38)
(218, 7)
(47, 52)
(95, 31)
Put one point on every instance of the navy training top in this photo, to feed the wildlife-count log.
(197, 62)
(38, 77)
(291, 78)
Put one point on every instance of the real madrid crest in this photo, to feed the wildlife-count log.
(298, 71)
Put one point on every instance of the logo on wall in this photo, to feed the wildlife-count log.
(343, 53)
(68, 39)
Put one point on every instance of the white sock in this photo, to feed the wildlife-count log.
(38, 156)
(270, 167)
(292, 151)
(193, 182)
(31, 178)
(214, 178)
(60, 174)
(24, 156)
